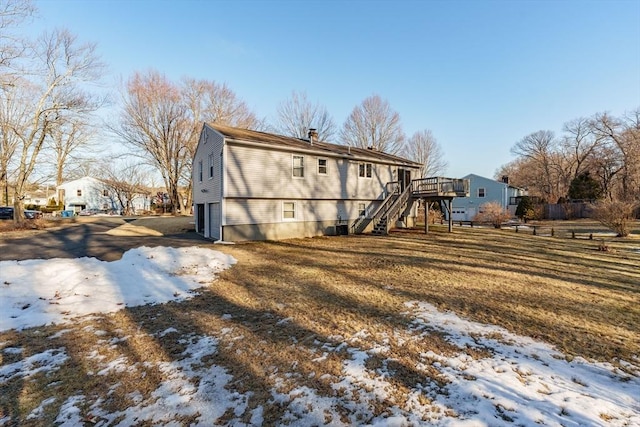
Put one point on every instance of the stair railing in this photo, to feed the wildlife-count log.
(392, 189)
(396, 206)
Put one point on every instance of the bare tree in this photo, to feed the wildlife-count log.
(124, 183)
(12, 14)
(423, 148)
(373, 124)
(208, 101)
(622, 135)
(156, 122)
(65, 142)
(12, 111)
(216, 103)
(59, 73)
(297, 115)
(540, 149)
(579, 144)
(163, 120)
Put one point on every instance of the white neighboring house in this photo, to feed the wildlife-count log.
(250, 185)
(92, 193)
(484, 190)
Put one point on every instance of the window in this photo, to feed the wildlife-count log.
(210, 166)
(200, 171)
(105, 193)
(79, 193)
(288, 210)
(322, 166)
(364, 170)
(481, 192)
(362, 210)
(298, 166)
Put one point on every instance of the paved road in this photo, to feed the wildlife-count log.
(86, 239)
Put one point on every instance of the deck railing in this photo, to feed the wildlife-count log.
(440, 186)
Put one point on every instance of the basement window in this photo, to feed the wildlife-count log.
(288, 210)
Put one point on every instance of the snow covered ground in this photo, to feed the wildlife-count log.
(524, 382)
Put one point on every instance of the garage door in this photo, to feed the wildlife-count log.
(458, 214)
(214, 221)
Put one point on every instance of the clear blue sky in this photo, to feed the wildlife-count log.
(480, 74)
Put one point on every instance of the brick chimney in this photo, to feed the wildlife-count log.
(313, 135)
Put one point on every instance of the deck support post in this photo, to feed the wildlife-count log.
(426, 217)
(450, 215)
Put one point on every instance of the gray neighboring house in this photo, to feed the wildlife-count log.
(84, 193)
(91, 193)
(250, 185)
(484, 190)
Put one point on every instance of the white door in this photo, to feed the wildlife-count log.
(214, 221)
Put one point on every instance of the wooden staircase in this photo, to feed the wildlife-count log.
(398, 203)
(390, 210)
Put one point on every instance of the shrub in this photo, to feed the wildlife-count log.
(493, 213)
(617, 215)
(526, 209)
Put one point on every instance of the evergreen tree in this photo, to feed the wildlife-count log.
(525, 209)
(584, 187)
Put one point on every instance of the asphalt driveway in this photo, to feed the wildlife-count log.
(103, 238)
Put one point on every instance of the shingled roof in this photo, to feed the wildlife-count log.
(321, 147)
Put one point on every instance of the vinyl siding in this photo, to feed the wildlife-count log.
(265, 173)
(267, 211)
(210, 143)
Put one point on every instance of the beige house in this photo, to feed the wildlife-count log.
(250, 185)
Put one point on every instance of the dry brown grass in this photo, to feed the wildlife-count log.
(276, 309)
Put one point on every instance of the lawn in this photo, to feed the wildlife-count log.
(354, 330)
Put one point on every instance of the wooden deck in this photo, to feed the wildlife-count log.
(439, 188)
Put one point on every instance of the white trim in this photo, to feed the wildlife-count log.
(295, 213)
(365, 164)
(326, 166)
(293, 167)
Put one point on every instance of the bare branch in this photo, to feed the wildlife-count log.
(373, 124)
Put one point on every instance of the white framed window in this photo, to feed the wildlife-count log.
(481, 192)
(362, 209)
(210, 166)
(200, 171)
(364, 170)
(288, 211)
(105, 193)
(79, 193)
(298, 166)
(322, 166)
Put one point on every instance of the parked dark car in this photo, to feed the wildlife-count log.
(6, 212)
